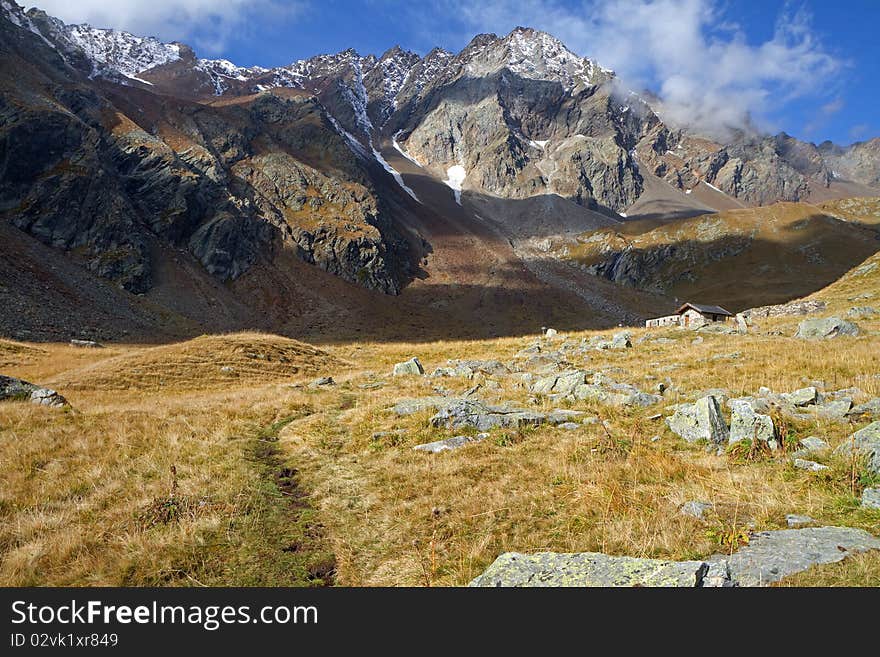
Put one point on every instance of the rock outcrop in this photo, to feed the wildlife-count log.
(16, 389)
(769, 557)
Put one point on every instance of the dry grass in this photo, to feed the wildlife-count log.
(207, 361)
(280, 483)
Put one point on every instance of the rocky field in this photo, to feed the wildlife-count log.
(725, 455)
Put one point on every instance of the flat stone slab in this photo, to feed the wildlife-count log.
(769, 557)
(448, 444)
(589, 569)
(773, 555)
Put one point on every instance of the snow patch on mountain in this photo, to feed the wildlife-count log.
(394, 174)
(401, 150)
(455, 176)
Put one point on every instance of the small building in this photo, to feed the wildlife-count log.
(691, 315)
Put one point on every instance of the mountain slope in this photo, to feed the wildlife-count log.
(738, 259)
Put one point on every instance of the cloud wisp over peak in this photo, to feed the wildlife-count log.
(698, 62)
(206, 24)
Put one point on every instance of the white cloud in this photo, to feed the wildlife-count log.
(207, 24)
(706, 72)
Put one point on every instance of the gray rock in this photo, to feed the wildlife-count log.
(826, 327)
(550, 333)
(860, 312)
(589, 569)
(746, 424)
(794, 520)
(621, 340)
(228, 369)
(448, 444)
(695, 509)
(834, 410)
(88, 344)
(570, 426)
(472, 413)
(322, 381)
(773, 555)
(866, 443)
(699, 421)
(563, 383)
(810, 466)
(814, 444)
(870, 409)
(411, 367)
(871, 498)
(17, 389)
(804, 397)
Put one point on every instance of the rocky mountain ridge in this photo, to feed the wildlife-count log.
(125, 147)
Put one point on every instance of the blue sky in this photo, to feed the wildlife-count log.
(807, 67)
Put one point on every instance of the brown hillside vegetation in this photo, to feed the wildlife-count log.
(204, 362)
(279, 483)
(739, 258)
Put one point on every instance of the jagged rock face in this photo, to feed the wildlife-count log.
(108, 168)
(859, 162)
(109, 176)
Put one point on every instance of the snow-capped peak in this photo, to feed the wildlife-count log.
(534, 55)
(119, 51)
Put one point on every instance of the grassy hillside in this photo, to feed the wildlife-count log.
(275, 482)
(738, 258)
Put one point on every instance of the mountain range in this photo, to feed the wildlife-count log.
(147, 192)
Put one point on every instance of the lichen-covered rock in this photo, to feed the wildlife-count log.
(589, 569)
(871, 498)
(448, 444)
(809, 466)
(814, 444)
(866, 443)
(773, 555)
(472, 413)
(793, 520)
(699, 421)
(411, 367)
(870, 409)
(746, 424)
(563, 383)
(826, 327)
(17, 389)
(804, 397)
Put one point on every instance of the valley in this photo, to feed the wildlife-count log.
(379, 320)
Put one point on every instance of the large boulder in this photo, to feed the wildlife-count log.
(589, 569)
(411, 367)
(768, 557)
(12, 388)
(772, 555)
(472, 413)
(870, 409)
(825, 327)
(699, 421)
(563, 383)
(866, 443)
(746, 424)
